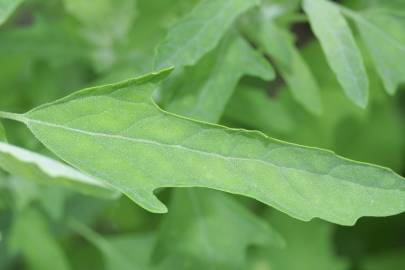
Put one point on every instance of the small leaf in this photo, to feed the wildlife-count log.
(7, 7)
(340, 48)
(211, 230)
(42, 169)
(387, 52)
(199, 31)
(215, 78)
(292, 66)
(140, 148)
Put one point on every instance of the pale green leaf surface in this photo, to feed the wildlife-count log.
(199, 31)
(340, 48)
(387, 52)
(31, 237)
(39, 168)
(214, 79)
(131, 137)
(292, 66)
(7, 7)
(308, 247)
(207, 228)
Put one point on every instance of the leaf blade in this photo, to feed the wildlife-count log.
(340, 48)
(199, 32)
(132, 137)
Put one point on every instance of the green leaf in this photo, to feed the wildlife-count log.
(292, 66)
(39, 168)
(7, 7)
(140, 148)
(31, 237)
(2, 133)
(309, 247)
(116, 257)
(215, 78)
(250, 106)
(124, 252)
(340, 48)
(199, 31)
(211, 230)
(387, 52)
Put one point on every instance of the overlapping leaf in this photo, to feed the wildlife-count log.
(199, 31)
(214, 79)
(39, 168)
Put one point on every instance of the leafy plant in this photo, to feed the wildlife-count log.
(222, 123)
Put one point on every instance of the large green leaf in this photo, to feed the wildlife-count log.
(309, 247)
(211, 230)
(7, 7)
(340, 48)
(39, 168)
(199, 31)
(215, 78)
(117, 134)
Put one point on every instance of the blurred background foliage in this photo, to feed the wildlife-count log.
(50, 48)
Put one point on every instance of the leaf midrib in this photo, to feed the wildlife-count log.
(30, 121)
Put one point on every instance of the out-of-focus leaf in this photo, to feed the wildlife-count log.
(31, 237)
(199, 32)
(309, 247)
(340, 48)
(2, 133)
(211, 230)
(251, 107)
(126, 252)
(104, 24)
(292, 66)
(54, 41)
(394, 260)
(42, 169)
(7, 7)
(387, 51)
(215, 78)
(118, 121)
